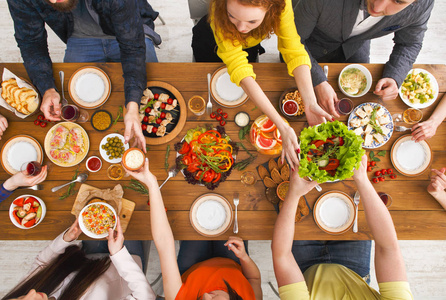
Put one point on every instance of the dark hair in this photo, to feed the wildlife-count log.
(48, 278)
(232, 293)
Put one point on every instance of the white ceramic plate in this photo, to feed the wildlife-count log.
(390, 125)
(211, 215)
(224, 91)
(334, 212)
(14, 221)
(104, 152)
(410, 158)
(89, 87)
(367, 74)
(19, 150)
(434, 85)
(88, 232)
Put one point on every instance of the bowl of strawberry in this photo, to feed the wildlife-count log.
(206, 156)
(27, 211)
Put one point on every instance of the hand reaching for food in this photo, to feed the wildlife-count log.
(386, 89)
(51, 106)
(73, 232)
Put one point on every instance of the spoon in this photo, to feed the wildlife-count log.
(62, 76)
(172, 173)
(80, 178)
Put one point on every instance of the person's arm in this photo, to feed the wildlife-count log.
(389, 263)
(20, 179)
(408, 43)
(427, 129)
(285, 267)
(161, 233)
(31, 38)
(437, 186)
(126, 266)
(249, 267)
(3, 125)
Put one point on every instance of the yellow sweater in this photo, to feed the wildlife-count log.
(293, 52)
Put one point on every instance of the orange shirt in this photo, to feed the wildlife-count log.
(208, 276)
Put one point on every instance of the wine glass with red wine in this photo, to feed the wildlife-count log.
(385, 198)
(344, 106)
(72, 113)
(32, 168)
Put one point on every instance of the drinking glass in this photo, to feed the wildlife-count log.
(386, 199)
(248, 178)
(72, 113)
(409, 116)
(32, 168)
(344, 106)
(197, 105)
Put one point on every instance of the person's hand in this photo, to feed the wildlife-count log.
(424, 130)
(290, 147)
(3, 125)
(299, 186)
(115, 238)
(236, 245)
(386, 89)
(361, 172)
(73, 232)
(21, 179)
(316, 115)
(133, 127)
(33, 295)
(143, 175)
(438, 184)
(326, 97)
(51, 105)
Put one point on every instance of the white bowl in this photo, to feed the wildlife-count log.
(89, 233)
(367, 74)
(434, 85)
(86, 164)
(11, 209)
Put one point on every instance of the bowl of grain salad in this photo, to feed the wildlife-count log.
(101, 120)
(96, 218)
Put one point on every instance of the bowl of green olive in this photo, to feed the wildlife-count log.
(112, 148)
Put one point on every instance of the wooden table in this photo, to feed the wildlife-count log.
(415, 213)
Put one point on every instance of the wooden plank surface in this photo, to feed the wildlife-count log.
(416, 214)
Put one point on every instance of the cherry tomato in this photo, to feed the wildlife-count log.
(377, 173)
(145, 119)
(375, 180)
(393, 176)
(148, 110)
(384, 171)
(170, 101)
(156, 96)
(162, 115)
(43, 124)
(143, 127)
(163, 105)
(225, 115)
(389, 171)
(368, 164)
(213, 115)
(218, 118)
(381, 178)
(37, 122)
(219, 110)
(369, 169)
(41, 117)
(184, 148)
(222, 122)
(373, 163)
(154, 129)
(158, 121)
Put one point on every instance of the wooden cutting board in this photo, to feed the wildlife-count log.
(127, 206)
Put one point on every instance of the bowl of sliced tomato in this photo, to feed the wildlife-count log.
(27, 211)
(329, 152)
(206, 156)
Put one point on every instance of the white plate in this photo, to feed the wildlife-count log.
(14, 221)
(367, 74)
(390, 125)
(434, 84)
(410, 158)
(334, 212)
(104, 152)
(88, 232)
(224, 91)
(211, 215)
(19, 150)
(89, 87)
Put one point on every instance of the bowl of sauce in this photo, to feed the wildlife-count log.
(93, 164)
(242, 119)
(290, 107)
(133, 159)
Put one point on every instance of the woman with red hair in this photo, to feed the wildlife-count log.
(238, 27)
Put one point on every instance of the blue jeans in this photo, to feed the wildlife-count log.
(354, 255)
(100, 50)
(133, 247)
(192, 252)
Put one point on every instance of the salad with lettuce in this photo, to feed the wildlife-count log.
(329, 152)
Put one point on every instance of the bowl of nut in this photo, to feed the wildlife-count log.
(291, 104)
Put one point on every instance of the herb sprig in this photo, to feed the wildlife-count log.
(137, 186)
(70, 191)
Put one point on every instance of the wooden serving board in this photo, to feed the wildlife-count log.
(127, 206)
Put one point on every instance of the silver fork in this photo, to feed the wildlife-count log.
(209, 105)
(402, 128)
(62, 76)
(36, 187)
(356, 201)
(326, 71)
(236, 202)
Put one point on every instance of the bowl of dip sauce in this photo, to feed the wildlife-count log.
(133, 159)
(93, 164)
(242, 119)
